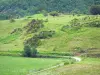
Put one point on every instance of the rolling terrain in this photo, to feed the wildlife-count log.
(76, 34)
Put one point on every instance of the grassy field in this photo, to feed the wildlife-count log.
(88, 66)
(22, 66)
(69, 41)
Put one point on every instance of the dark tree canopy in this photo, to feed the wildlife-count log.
(22, 8)
(95, 10)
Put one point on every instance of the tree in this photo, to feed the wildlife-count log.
(29, 7)
(29, 51)
(95, 10)
(96, 2)
(12, 20)
(33, 52)
(54, 13)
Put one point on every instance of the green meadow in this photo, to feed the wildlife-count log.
(64, 42)
(49, 37)
(22, 66)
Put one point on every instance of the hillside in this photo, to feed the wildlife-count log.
(49, 37)
(20, 8)
(84, 39)
(89, 66)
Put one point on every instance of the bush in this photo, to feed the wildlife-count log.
(44, 12)
(17, 30)
(12, 20)
(34, 26)
(46, 34)
(34, 41)
(54, 13)
(66, 27)
(27, 51)
(95, 23)
(95, 10)
(66, 63)
(30, 52)
(73, 25)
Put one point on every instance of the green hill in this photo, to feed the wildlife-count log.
(81, 38)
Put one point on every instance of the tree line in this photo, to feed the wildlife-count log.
(22, 8)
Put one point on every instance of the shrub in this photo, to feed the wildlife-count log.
(12, 20)
(46, 34)
(66, 63)
(30, 52)
(34, 26)
(95, 23)
(95, 10)
(66, 27)
(29, 17)
(33, 52)
(54, 13)
(27, 51)
(44, 12)
(73, 25)
(46, 20)
(17, 30)
(34, 41)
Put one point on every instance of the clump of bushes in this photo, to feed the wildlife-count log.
(54, 13)
(34, 26)
(17, 30)
(73, 25)
(94, 23)
(44, 12)
(29, 51)
(46, 34)
(95, 9)
(29, 17)
(12, 20)
(34, 41)
(79, 50)
(72, 61)
(66, 27)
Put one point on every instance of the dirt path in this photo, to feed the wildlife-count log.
(77, 59)
(59, 65)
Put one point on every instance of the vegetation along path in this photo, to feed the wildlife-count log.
(77, 59)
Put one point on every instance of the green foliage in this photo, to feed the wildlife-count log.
(34, 26)
(4, 16)
(95, 10)
(46, 34)
(29, 52)
(12, 20)
(34, 41)
(73, 25)
(94, 23)
(17, 30)
(54, 13)
(79, 50)
(25, 7)
(44, 12)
